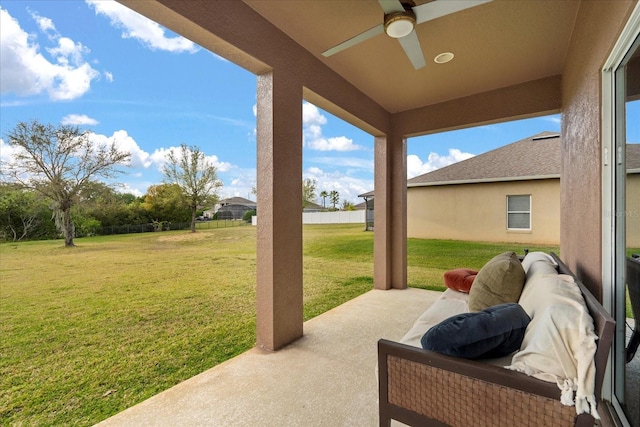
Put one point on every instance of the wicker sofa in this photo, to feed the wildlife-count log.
(421, 388)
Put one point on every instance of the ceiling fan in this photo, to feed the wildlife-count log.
(400, 20)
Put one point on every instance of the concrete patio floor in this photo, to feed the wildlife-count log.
(326, 378)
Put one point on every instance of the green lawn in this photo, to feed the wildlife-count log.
(89, 331)
(427, 260)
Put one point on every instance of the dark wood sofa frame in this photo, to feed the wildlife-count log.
(423, 388)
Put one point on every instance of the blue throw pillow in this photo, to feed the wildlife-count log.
(493, 332)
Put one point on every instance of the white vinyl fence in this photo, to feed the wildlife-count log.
(338, 217)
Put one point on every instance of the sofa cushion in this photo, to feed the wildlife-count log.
(541, 268)
(460, 279)
(533, 257)
(494, 332)
(538, 263)
(560, 342)
(533, 298)
(541, 275)
(450, 303)
(499, 281)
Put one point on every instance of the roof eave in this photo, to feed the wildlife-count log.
(484, 180)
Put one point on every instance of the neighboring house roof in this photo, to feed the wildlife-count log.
(236, 201)
(360, 206)
(311, 206)
(541, 155)
(536, 157)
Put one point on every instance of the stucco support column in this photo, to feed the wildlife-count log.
(390, 213)
(279, 208)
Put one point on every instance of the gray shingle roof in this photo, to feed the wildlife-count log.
(367, 194)
(536, 157)
(236, 201)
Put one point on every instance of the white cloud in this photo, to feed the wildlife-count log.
(26, 71)
(79, 120)
(45, 24)
(220, 165)
(7, 151)
(238, 182)
(311, 115)
(136, 26)
(312, 122)
(159, 159)
(415, 166)
(124, 142)
(347, 186)
(128, 189)
(141, 161)
(109, 76)
(68, 51)
(340, 143)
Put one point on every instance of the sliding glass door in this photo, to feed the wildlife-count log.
(625, 161)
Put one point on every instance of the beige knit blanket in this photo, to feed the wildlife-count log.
(560, 342)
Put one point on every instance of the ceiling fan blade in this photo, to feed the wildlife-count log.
(379, 29)
(412, 48)
(390, 6)
(439, 8)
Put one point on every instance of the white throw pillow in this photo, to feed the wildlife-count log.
(532, 257)
(535, 295)
(560, 343)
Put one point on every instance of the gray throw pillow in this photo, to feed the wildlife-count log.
(499, 281)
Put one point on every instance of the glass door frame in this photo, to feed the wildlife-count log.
(613, 142)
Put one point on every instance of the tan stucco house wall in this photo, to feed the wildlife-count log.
(478, 211)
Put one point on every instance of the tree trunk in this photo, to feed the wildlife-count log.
(68, 230)
(193, 219)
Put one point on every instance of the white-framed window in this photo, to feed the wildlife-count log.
(519, 212)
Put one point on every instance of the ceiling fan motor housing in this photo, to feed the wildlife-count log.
(399, 24)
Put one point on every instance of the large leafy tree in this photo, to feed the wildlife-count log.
(23, 214)
(110, 208)
(165, 202)
(196, 176)
(59, 162)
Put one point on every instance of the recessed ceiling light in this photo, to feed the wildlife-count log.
(443, 58)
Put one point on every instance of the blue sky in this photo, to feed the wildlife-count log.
(99, 65)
